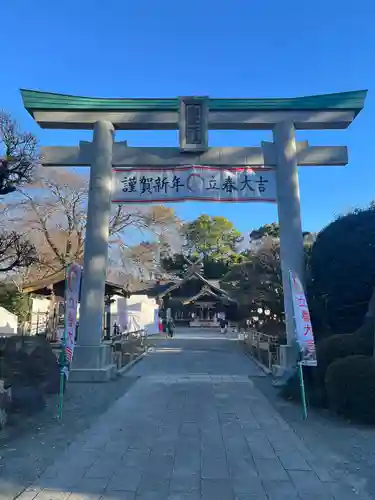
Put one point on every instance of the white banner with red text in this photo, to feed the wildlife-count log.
(72, 290)
(304, 332)
(193, 182)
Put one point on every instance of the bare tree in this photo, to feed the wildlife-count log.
(52, 212)
(18, 158)
(15, 252)
(18, 155)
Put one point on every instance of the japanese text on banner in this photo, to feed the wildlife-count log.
(304, 332)
(193, 183)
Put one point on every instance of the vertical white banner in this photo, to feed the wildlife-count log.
(72, 289)
(304, 332)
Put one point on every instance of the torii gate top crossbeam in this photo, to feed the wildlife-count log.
(328, 111)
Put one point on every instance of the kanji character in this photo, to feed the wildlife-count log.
(301, 302)
(305, 315)
(262, 182)
(307, 330)
(246, 183)
(212, 184)
(228, 185)
(161, 184)
(176, 183)
(130, 184)
(146, 184)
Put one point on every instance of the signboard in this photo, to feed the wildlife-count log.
(193, 124)
(72, 289)
(193, 182)
(304, 333)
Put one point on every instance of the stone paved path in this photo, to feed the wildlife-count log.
(194, 427)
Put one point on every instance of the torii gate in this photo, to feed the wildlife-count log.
(275, 163)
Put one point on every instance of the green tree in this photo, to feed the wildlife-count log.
(342, 270)
(15, 301)
(257, 283)
(273, 231)
(211, 237)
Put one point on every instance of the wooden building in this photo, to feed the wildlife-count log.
(193, 301)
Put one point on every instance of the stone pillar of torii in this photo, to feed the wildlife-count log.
(92, 359)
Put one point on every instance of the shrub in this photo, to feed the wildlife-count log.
(342, 270)
(328, 351)
(350, 386)
(340, 346)
(315, 394)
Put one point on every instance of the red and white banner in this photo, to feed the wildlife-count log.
(193, 182)
(304, 332)
(73, 284)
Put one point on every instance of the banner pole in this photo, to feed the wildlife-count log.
(303, 392)
(62, 360)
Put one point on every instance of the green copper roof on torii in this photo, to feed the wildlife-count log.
(45, 101)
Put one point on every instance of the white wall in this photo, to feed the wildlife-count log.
(8, 322)
(138, 311)
(39, 304)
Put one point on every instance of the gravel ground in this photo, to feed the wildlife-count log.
(31, 444)
(351, 447)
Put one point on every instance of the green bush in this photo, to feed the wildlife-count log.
(328, 351)
(340, 346)
(315, 394)
(350, 386)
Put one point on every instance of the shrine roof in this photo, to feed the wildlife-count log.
(153, 288)
(56, 283)
(35, 100)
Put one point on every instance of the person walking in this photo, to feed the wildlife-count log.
(170, 328)
(223, 326)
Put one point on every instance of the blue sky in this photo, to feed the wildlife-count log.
(165, 48)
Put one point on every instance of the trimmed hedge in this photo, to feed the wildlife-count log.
(341, 346)
(350, 386)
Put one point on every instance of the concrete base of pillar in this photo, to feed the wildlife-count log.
(288, 358)
(92, 364)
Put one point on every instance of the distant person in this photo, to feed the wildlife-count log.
(223, 326)
(170, 328)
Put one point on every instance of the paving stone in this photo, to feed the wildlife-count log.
(101, 469)
(90, 485)
(250, 496)
(152, 495)
(292, 460)
(127, 479)
(118, 495)
(52, 495)
(270, 469)
(184, 495)
(217, 489)
(248, 484)
(154, 483)
(280, 490)
(29, 493)
(135, 457)
(185, 483)
(85, 496)
(214, 467)
(309, 486)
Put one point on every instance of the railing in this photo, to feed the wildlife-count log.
(263, 347)
(127, 346)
